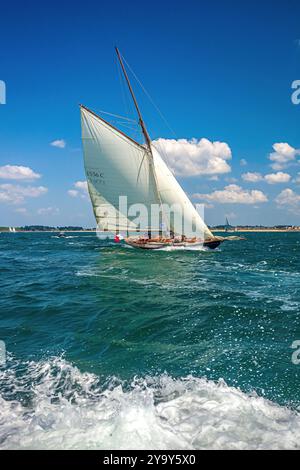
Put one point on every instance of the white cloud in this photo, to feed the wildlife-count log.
(15, 172)
(231, 215)
(288, 198)
(271, 178)
(297, 179)
(21, 210)
(214, 178)
(283, 155)
(59, 143)
(81, 185)
(243, 162)
(208, 205)
(230, 179)
(80, 191)
(73, 192)
(16, 194)
(195, 157)
(234, 194)
(48, 211)
(278, 177)
(252, 177)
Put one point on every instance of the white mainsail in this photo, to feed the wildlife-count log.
(115, 166)
(118, 166)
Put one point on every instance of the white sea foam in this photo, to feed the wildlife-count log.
(184, 248)
(171, 248)
(65, 236)
(72, 410)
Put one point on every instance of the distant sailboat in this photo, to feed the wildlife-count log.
(228, 227)
(12, 229)
(116, 165)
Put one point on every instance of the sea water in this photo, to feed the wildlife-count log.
(110, 347)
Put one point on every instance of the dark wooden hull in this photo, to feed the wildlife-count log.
(213, 244)
(145, 245)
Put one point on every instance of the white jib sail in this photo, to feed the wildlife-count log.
(172, 194)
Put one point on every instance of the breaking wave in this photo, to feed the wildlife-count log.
(52, 404)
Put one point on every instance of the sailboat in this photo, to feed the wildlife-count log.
(118, 167)
(228, 227)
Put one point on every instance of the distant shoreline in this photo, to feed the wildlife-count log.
(49, 231)
(257, 230)
(254, 230)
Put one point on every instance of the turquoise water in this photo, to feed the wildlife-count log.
(113, 347)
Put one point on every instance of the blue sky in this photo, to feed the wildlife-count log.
(220, 71)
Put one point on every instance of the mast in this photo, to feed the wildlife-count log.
(146, 136)
(142, 124)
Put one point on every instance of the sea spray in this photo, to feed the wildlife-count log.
(51, 404)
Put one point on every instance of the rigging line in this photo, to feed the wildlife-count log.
(127, 103)
(129, 125)
(125, 125)
(150, 98)
(122, 86)
(165, 156)
(116, 115)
